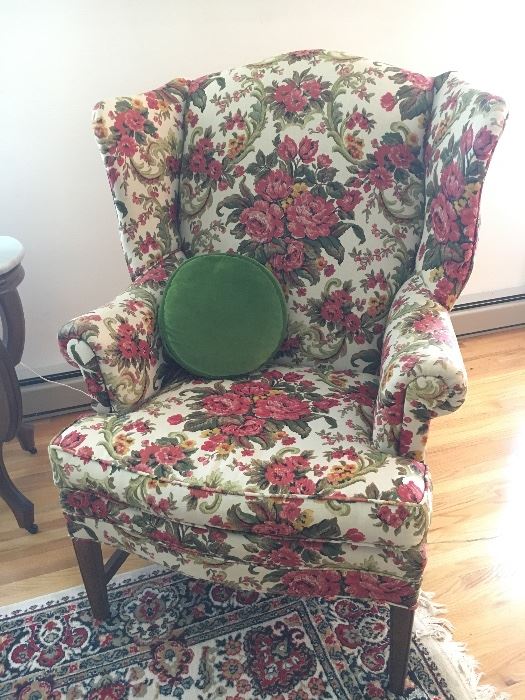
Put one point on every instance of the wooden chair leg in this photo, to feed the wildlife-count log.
(401, 621)
(91, 564)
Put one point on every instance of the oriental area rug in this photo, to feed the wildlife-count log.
(172, 636)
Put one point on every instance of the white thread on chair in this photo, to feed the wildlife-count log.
(51, 381)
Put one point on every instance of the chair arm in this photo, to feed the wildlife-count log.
(422, 373)
(117, 347)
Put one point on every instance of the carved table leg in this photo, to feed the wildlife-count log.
(26, 437)
(23, 509)
(11, 348)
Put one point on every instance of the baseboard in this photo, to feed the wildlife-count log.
(489, 315)
(42, 399)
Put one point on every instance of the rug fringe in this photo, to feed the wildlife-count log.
(432, 625)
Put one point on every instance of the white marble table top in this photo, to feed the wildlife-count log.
(11, 253)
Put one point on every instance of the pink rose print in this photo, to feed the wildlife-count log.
(263, 221)
(128, 348)
(170, 454)
(235, 121)
(325, 404)
(253, 388)
(129, 120)
(287, 149)
(400, 155)
(281, 407)
(444, 291)
(484, 143)
(99, 507)
(392, 518)
(452, 181)
(458, 271)
(419, 81)
(363, 585)
(291, 96)
(85, 454)
(228, 404)
(465, 141)
(273, 529)
(291, 510)
(293, 258)
(175, 419)
(303, 486)
(307, 583)
(405, 440)
(313, 88)
(331, 311)
(393, 415)
(469, 216)
(214, 169)
(285, 557)
(127, 146)
(410, 492)
(388, 101)
(279, 474)
(197, 162)
(381, 178)
(296, 462)
(310, 216)
(251, 426)
(443, 219)
(72, 440)
(275, 186)
(354, 535)
(351, 323)
(78, 499)
(307, 149)
(324, 161)
(428, 324)
(350, 200)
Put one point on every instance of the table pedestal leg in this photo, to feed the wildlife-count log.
(26, 437)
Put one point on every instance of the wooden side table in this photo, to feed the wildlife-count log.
(11, 349)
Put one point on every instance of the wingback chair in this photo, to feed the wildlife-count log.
(358, 184)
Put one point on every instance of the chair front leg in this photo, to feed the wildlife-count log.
(91, 564)
(401, 621)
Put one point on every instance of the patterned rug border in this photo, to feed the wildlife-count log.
(433, 634)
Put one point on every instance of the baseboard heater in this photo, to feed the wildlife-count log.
(42, 399)
(489, 314)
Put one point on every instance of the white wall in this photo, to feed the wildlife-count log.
(58, 57)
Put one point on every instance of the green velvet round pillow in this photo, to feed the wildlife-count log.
(222, 315)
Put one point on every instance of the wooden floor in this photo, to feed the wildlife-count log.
(476, 553)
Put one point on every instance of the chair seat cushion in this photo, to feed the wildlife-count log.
(222, 315)
(224, 454)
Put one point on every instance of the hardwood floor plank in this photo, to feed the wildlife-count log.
(476, 565)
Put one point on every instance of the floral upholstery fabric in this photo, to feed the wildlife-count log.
(358, 185)
(118, 347)
(465, 128)
(422, 372)
(313, 164)
(274, 472)
(140, 139)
